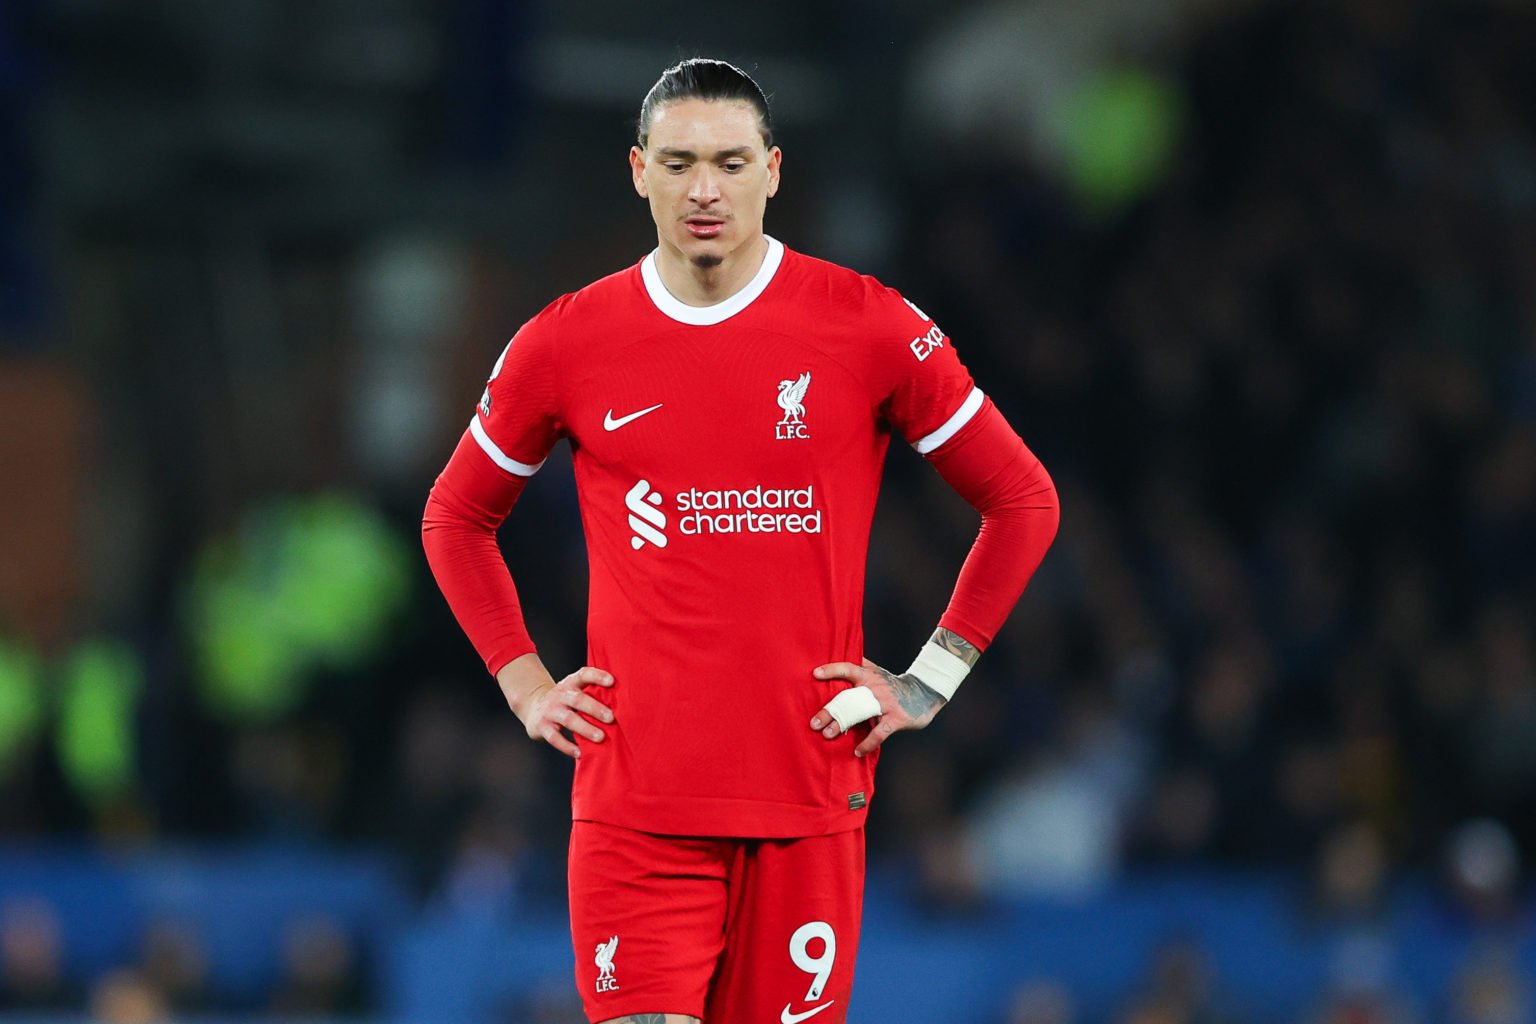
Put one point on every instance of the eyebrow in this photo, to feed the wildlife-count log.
(688, 154)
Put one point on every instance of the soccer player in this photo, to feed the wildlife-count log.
(728, 402)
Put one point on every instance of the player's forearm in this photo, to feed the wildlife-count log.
(469, 570)
(1007, 551)
(458, 533)
(989, 466)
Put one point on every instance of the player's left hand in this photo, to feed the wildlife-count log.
(905, 702)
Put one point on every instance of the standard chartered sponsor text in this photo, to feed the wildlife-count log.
(755, 509)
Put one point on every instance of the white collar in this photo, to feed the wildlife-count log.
(703, 316)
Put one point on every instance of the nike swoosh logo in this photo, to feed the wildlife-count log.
(795, 1018)
(609, 423)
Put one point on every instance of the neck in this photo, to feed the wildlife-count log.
(694, 285)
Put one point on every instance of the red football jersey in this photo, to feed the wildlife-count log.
(727, 460)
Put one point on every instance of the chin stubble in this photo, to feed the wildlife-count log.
(708, 261)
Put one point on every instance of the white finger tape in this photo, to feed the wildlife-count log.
(852, 706)
(939, 670)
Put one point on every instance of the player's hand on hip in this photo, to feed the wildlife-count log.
(895, 703)
(554, 708)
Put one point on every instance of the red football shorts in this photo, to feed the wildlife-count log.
(728, 930)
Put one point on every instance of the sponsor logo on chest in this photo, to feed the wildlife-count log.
(725, 510)
(655, 521)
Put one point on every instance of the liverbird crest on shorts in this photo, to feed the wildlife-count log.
(604, 961)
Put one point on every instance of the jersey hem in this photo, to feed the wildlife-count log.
(736, 819)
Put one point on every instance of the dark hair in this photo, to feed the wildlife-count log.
(705, 79)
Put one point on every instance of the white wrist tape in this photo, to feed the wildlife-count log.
(939, 670)
(852, 706)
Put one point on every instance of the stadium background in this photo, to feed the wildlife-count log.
(1257, 280)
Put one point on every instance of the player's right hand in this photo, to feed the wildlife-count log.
(556, 707)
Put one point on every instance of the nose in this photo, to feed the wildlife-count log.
(705, 186)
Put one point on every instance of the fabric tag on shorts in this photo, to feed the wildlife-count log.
(855, 801)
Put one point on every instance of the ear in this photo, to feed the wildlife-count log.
(637, 170)
(775, 157)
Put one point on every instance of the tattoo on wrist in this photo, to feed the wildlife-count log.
(957, 645)
(915, 696)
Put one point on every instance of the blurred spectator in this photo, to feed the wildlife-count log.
(1350, 878)
(174, 961)
(434, 756)
(1491, 990)
(1179, 989)
(127, 997)
(1041, 1002)
(1350, 915)
(320, 971)
(484, 875)
(290, 778)
(1504, 733)
(1483, 872)
(32, 974)
(1362, 1008)
(1054, 826)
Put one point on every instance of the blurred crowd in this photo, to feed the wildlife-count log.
(169, 975)
(1287, 390)
(1290, 401)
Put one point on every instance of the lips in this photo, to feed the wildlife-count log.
(704, 227)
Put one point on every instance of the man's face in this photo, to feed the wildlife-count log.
(707, 176)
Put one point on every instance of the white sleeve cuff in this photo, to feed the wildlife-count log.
(951, 427)
(499, 457)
